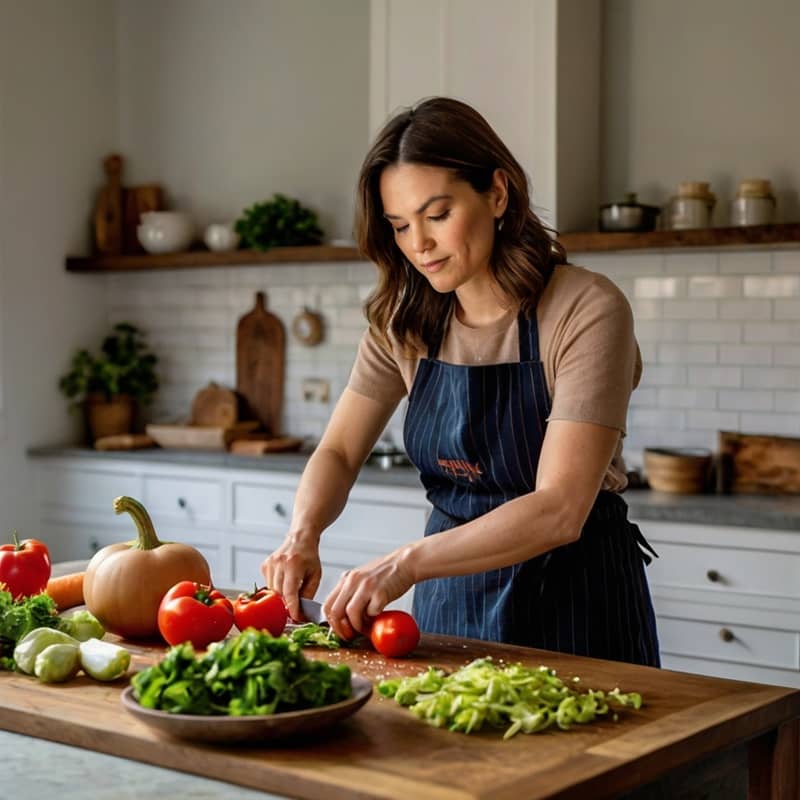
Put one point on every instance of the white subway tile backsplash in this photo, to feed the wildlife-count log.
(691, 309)
(715, 376)
(770, 378)
(745, 354)
(700, 419)
(663, 375)
(670, 397)
(787, 402)
(714, 286)
(744, 263)
(672, 353)
(656, 287)
(721, 332)
(745, 309)
(745, 400)
(774, 332)
(788, 262)
(787, 309)
(777, 424)
(787, 355)
(772, 286)
(691, 263)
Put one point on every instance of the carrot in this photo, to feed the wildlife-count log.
(66, 590)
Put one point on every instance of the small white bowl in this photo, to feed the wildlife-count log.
(221, 237)
(165, 231)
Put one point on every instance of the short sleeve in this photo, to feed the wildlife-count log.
(595, 360)
(376, 372)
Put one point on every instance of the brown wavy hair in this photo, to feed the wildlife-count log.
(443, 132)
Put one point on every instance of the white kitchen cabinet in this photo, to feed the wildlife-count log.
(727, 600)
(234, 517)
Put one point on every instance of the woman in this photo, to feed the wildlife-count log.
(518, 368)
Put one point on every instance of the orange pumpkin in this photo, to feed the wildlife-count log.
(124, 582)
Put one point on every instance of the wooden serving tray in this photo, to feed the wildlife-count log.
(199, 437)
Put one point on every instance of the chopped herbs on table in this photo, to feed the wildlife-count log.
(515, 697)
(313, 635)
(252, 673)
(20, 617)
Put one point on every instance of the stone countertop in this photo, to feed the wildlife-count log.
(748, 511)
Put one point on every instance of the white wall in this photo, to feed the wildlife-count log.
(701, 90)
(225, 103)
(56, 118)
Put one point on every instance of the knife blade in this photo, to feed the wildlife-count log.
(313, 610)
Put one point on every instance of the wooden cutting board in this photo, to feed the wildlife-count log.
(260, 357)
(384, 752)
(757, 464)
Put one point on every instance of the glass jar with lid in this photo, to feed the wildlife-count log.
(754, 203)
(692, 206)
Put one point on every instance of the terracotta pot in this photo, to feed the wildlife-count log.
(108, 417)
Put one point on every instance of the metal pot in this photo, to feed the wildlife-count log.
(628, 216)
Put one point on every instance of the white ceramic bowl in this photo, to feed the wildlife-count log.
(221, 237)
(165, 231)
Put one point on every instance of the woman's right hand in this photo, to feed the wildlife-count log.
(294, 569)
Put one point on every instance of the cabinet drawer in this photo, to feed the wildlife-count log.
(726, 569)
(743, 644)
(190, 499)
(91, 490)
(377, 527)
(262, 506)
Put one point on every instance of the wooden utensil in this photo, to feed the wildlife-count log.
(124, 441)
(108, 211)
(215, 406)
(260, 354)
(248, 446)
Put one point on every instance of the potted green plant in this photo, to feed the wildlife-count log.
(280, 222)
(109, 386)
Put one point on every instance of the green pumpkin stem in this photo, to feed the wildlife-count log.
(146, 533)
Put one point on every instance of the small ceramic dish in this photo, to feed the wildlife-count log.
(284, 725)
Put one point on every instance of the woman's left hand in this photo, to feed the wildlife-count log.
(363, 592)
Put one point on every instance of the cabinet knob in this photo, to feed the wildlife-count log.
(713, 575)
(279, 509)
(726, 635)
(182, 502)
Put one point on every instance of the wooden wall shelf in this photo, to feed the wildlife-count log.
(207, 258)
(785, 235)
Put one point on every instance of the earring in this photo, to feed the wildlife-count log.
(500, 224)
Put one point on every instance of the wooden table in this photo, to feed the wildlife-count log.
(693, 733)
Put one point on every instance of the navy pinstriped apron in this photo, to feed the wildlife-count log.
(475, 434)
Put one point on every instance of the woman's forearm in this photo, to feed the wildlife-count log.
(520, 529)
(322, 492)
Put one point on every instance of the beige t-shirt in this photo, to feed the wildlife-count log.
(586, 343)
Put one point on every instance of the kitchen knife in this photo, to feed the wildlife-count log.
(313, 610)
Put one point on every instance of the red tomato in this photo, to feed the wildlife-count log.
(263, 609)
(24, 567)
(394, 633)
(192, 612)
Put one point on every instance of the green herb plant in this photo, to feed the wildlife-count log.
(125, 366)
(252, 673)
(515, 697)
(280, 222)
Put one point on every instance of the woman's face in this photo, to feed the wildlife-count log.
(441, 224)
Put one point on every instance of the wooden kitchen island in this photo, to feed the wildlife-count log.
(695, 737)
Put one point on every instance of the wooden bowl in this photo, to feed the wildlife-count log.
(677, 470)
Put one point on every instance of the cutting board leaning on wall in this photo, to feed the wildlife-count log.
(260, 363)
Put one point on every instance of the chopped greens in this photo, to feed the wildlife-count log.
(20, 617)
(515, 697)
(252, 673)
(313, 635)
